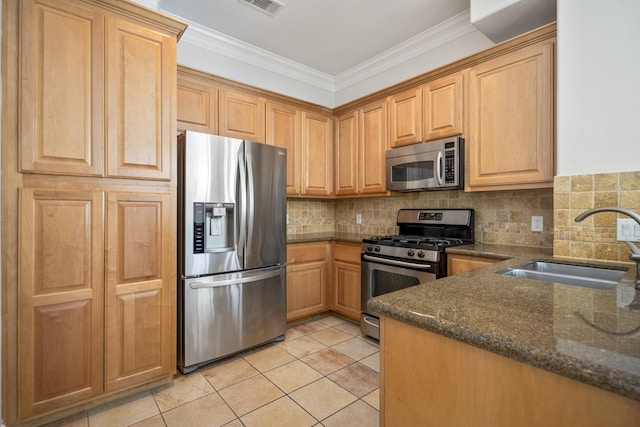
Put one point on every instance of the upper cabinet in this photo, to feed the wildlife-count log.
(405, 117)
(97, 93)
(510, 138)
(283, 127)
(241, 115)
(197, 105)
(442, 107)
(317, 154)
(361, 142)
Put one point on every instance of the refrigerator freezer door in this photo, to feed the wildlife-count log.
(266, 205)
(209, 208)
(227, 313)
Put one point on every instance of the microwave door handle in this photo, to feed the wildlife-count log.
(439, 168)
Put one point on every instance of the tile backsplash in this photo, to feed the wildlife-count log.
(501, 217)
(595, 237)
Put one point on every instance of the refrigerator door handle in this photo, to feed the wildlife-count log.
(242, 211)
(233, 281)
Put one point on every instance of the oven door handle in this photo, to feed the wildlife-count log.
(397, 263)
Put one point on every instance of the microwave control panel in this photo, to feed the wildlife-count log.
(450, 166)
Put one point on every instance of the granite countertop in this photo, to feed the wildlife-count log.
(586, 334)
(331, 236)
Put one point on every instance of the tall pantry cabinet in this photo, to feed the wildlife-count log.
(89, 202)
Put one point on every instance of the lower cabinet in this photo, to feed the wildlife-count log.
(427, 379)
(346, 280)
(307, 278)
(96, 294)
(457, 264)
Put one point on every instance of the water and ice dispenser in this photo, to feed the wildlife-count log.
(213, 227)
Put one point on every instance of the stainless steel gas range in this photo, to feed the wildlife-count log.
(416, 255)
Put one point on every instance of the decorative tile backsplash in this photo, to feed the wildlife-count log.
(595, 237)
(502, 217)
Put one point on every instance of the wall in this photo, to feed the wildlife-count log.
(502, 217)
(598, 98)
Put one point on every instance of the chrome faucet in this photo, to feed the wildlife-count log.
(635, 251)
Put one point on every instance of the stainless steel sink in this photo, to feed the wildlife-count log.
(569, 274)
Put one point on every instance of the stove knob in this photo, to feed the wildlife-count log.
(410, 253)
(421, 254)
(377, 249)
(369, 248)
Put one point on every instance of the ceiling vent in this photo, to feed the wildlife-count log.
(270, 7)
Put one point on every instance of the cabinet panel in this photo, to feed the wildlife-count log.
(62, 80)
(457, 264)
(140, 297)
(241, 115)
(373, 147)
(140, 89)
(346, 148)
(283, 130)
(511, 120)
(346, 280)
(61, 296)
(197, 106)
(317, 154)
(443, 107)
(307, 281)
(306, 289)
(405, 118)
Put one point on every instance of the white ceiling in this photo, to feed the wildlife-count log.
(330, 36)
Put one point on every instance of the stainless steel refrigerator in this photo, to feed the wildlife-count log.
(232, 246)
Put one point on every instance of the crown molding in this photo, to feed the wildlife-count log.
(421, 44)
(447, 31)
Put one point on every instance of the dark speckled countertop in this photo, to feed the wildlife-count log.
(320, 237)
(588, 335)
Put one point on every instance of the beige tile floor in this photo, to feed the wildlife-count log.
(325, 373)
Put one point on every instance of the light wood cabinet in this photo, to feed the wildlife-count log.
(283, 127)
(442, 107)
(346, 149)
(77, 62)
(89, 203)
(346, 280)
(317, 154)
(60, 346)
(361, 144)
(140, 281)
(307, 279)
(197, 105)
(241, 115)
(510, 139)
(471, 386)
(457, 264)
(405, 117)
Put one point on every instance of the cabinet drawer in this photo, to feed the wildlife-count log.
(305, 252)
(347, 253)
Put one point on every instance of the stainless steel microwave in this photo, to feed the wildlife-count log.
(433, 165)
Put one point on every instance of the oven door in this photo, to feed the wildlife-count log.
(380, 276)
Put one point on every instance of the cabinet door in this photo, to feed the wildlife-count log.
(443, 107)
(317, 154)
(61, 86)
(197, 108)
(346, 280)
(511, 120)
(373, 147)
(283, 130)
(140, 92)
(405, 118)
(346, 161)
(140, 289)
(60, 350)
(241, 115)
(306, 289)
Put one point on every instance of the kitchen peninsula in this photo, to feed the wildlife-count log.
(480, 348)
